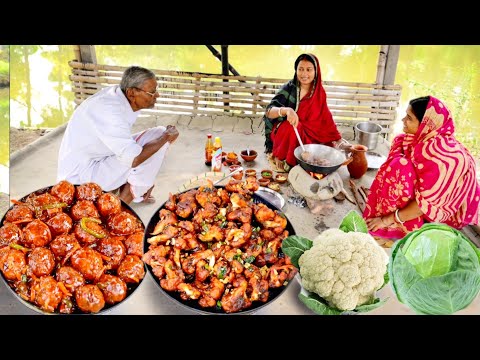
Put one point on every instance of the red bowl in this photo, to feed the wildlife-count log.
(250, 157)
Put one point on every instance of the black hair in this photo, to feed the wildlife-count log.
(419, 106)
(307, 57)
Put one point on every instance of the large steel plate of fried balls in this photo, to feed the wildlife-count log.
(71, 249)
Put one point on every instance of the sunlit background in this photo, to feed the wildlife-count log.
(4, 119)
(41, 95)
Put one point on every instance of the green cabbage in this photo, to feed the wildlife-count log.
(435, 270)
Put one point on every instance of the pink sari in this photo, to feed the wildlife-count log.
(431, 167)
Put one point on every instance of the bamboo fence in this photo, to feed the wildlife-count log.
(194, 93)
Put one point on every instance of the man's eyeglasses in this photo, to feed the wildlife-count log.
(149, 93)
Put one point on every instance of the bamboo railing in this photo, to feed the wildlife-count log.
(193, 93)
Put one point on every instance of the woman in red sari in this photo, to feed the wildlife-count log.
(303, 103)
(428, 176)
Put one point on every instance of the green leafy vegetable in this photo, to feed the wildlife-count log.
(435, 270)
(353, 221)
(250, 259)
(320, 306)
(294, 246)
(317, 304)
(376, 303)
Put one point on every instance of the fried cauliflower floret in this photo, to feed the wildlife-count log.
(345, 269)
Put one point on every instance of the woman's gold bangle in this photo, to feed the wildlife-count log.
(280, 112)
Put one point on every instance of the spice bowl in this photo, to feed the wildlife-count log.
(250, 172)
(274, 186)
(263, 182)
(248, 156)
(232, 158)
(238, 175)
(266, 174)
(281, 178)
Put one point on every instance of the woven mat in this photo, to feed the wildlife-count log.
(201, 179)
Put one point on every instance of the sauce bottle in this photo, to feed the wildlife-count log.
(217, 155)
(208, 150)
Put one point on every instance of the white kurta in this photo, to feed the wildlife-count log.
(98, 145)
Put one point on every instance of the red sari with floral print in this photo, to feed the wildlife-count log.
(431, 167)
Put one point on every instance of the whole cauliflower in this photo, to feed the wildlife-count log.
(345, 269)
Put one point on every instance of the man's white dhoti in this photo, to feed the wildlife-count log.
(106, 173)
(98, 145)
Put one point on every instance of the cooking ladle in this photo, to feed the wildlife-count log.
(305, 153)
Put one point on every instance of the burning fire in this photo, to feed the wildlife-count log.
(316, 175)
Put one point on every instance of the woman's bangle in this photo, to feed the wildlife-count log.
(398, 217)
(280, 111)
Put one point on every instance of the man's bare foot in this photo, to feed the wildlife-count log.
(148, 197)
(125, 194)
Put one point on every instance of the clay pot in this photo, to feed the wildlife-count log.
(359, 165)
(238, 175)
(266, 174)
(250, 157)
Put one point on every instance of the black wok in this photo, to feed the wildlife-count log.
(274, 293)
(334, 156)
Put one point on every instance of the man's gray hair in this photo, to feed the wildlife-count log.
(135, 76)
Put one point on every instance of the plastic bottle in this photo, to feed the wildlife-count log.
(217, 155)
(208, 150)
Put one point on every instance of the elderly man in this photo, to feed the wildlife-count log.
(98, 145)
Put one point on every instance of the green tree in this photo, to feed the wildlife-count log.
(21, 88)
(59, 76)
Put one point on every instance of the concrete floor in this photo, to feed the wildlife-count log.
(35, 167)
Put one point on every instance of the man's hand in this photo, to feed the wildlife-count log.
(171, 133)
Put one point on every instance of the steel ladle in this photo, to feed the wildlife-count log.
(227, 176)
(305, 154)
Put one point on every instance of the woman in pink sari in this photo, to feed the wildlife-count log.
(429, 176)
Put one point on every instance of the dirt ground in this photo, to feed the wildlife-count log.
(19, 138)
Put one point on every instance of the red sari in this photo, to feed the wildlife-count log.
(432, 168)
(316, 125)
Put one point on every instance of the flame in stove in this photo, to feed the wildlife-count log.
(316, 175)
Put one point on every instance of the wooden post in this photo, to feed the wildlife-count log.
(387, 67)
(382, 60)
(87, 54)
(225, 67)
(196, 95)
(225, 70)
(256, 97)
(391, 65)
(219, 57)
(76, 52)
